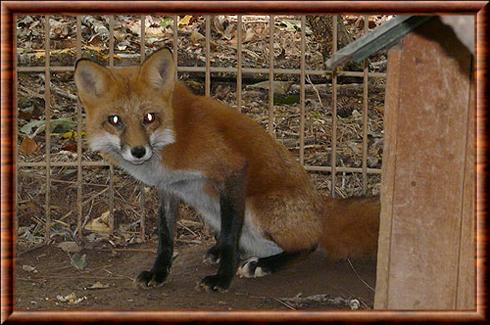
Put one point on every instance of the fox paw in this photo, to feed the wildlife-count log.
(150, 279)
(214, 283)
(250, 269)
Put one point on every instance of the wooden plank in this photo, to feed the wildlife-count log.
(394, 71)
(431, 133)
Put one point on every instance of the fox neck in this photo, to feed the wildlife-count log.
(154, 171)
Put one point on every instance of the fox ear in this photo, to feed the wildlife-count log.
(92, 79)
(158, 70)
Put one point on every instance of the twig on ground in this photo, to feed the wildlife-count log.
(188, 241)
(146, 250)
(299, 301)
(35, 247)
(187, 228)
(119, 275)
(314, 88)
(284, 303)
(357, 274)
(63, 93)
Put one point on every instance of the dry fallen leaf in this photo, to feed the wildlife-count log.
(79, 261)
(25, 115)
(184, 21)
(28, 146)
(280, 87)
(69, 247)
(29, 268)
(71, 147)
(73, 134)
(196, 37)
(249, 35)
(222, 25)
(100, 224)
(72, 298)
(98, 285)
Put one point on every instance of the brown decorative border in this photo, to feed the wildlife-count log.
(244, 7)
(10, 8)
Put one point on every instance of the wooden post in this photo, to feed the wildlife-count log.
(426, 257)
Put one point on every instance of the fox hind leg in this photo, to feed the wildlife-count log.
(258, 267)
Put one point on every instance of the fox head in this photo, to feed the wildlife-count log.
(129, 110)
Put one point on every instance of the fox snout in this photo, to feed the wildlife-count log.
(137, 154)
(138, 151)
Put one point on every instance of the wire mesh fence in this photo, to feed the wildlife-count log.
(61, 183)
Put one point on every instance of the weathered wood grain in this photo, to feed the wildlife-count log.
(388, 176)
(466, 293)
(429, 193)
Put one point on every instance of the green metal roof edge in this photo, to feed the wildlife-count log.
(380, 38)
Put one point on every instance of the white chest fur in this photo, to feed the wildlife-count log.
(186, 185)
(153, 173)
(189, 187)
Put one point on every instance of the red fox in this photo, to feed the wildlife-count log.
(248, 187)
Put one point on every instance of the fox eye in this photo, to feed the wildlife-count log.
(114, 120)
(149, 118)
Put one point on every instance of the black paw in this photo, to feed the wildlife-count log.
(213, 255)
(149, 279)
(214, 283)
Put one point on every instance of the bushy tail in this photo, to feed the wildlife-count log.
(351, 227)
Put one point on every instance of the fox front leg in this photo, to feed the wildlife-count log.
(232, 210)
(166, 228)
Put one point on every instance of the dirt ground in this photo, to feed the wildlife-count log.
(45, 280)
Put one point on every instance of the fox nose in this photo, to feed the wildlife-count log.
(138, 152)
